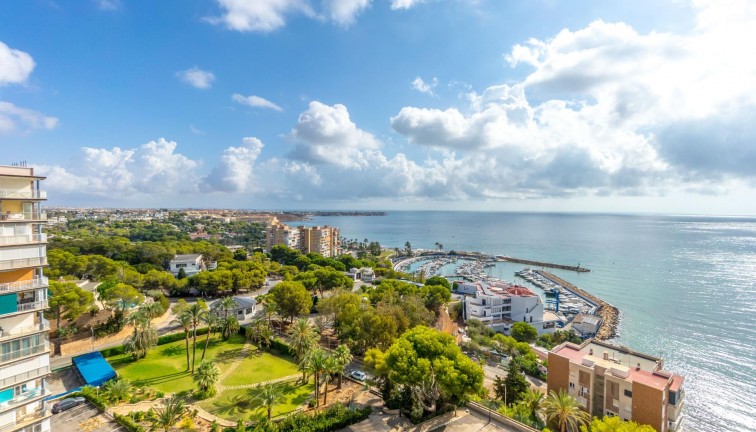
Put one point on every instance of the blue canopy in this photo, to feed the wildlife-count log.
(93, 368)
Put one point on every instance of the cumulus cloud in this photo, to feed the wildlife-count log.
(197, 77)
(14, 118)
(235, 173)
(15, 65)
(269, 15)
(405, 4)
(255, 102)
(425, 87)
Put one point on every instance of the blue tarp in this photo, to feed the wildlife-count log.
(93, 368)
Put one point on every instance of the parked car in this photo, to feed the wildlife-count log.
(66, 404)
(358, 375)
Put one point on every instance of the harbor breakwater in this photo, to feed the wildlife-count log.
(576, 268)
(608, 313)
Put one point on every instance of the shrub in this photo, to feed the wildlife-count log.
(92, 395)
(128, 423)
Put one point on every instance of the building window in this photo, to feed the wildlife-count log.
(180, 265)
(628, 393)
(572, 385)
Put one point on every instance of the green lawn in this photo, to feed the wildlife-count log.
(241, 403)
(164, 367)
(259, 367)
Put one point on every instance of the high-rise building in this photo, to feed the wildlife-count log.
(324, 240)
(24, 346)
(609, 380)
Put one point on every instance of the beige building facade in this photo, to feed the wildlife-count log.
(324, 240)
(24, 346)
(609, 380)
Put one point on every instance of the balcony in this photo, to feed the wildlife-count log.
(26, 420)
(23, 331)
(22, 194)
(23, 217)
(40, 282)
(25, 352)
(23, 239)
(25, 398)
(22, 263)
(24, 377)
(31, 306)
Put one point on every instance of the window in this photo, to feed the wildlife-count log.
(628, 393)
(180, 265)
(572, 385)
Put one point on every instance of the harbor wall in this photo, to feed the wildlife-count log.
(542, 264)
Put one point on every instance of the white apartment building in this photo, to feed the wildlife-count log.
(499, 305)
(24, 346)
(323, 240)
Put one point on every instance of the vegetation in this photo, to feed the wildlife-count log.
(207, 375)
(550, 340)
(144, 335)
(524, 332)
(169, 413)
(614, 424)
(291, 298)
(68, 301)
(563, 411)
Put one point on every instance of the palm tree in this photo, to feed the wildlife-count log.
(318, 360)
(229, 326)
(330, 367)
(195, 312)
(227, 304)
(259, 333)
(168, 414)
(533, 400)
(302, 337)
(268, 396)
(343, 357)
(565, 411)
(211, 320)
(117, 390)
(186, 322)
(153, 310)
(144, 337)
(270, 309)
(207, 375)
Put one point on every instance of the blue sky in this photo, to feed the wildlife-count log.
(384, 104)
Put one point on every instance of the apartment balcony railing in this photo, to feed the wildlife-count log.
(44, 325)
(21, 423)
(22, 194)
(20, 217)
(40, 282)
(22, 263)
(30, 306)
(30, 395)
(23, 239)
(24, 377)
(24, 352)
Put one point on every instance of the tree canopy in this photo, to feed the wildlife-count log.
(524, 332)
(291, 298)
(68, 301)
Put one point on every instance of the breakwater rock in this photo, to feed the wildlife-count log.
(608, 313)
(576, 268)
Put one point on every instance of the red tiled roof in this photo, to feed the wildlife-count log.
(677, 381)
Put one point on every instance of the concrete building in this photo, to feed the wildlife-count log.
(586, 325)
(499, 305)
(244, 308)
(609, 380)
(324, 240)
(191, 263)
(24, 346)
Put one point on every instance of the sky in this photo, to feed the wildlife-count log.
(532, 105)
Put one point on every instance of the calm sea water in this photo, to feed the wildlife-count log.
(686, 286)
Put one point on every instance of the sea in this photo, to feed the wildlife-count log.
(685, 285)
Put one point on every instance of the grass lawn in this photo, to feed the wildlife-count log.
(259, 367)
(241, 403)
(164, 367)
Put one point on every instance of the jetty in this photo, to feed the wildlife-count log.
(576, 268)
(608, 313)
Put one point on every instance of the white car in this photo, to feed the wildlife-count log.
(358, 375)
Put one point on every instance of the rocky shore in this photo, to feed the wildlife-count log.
(608, 313)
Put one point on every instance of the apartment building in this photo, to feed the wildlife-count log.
(609, 380)
(324, 240)
(24, 346)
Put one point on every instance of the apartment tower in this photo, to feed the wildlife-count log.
(24, 346)
(610, 380)
(324, 240)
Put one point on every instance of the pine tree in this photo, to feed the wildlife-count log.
(516, 384)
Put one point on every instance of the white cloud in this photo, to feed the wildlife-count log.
(235, 173)
(423, 87)
(15, 65)
(326, 134)
(197, 77)
(109, 5)
(344, 12)
(255, 102)
(405, 4)
(258, 15)
(14, 118)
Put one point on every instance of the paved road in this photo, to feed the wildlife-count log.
(85, 417)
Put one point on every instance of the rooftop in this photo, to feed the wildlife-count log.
(187, 257)
(18, 171)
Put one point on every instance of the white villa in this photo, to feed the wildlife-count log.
(191, 263)
(499, 305)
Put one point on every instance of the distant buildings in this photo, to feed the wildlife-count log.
(365, 274)
(609, 380)
(324, 240)
(499, 305)
(24, 346)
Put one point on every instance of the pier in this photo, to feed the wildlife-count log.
(608, 313)
(576, 268)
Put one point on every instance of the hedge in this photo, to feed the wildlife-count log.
(90, 394)
(128, 423)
